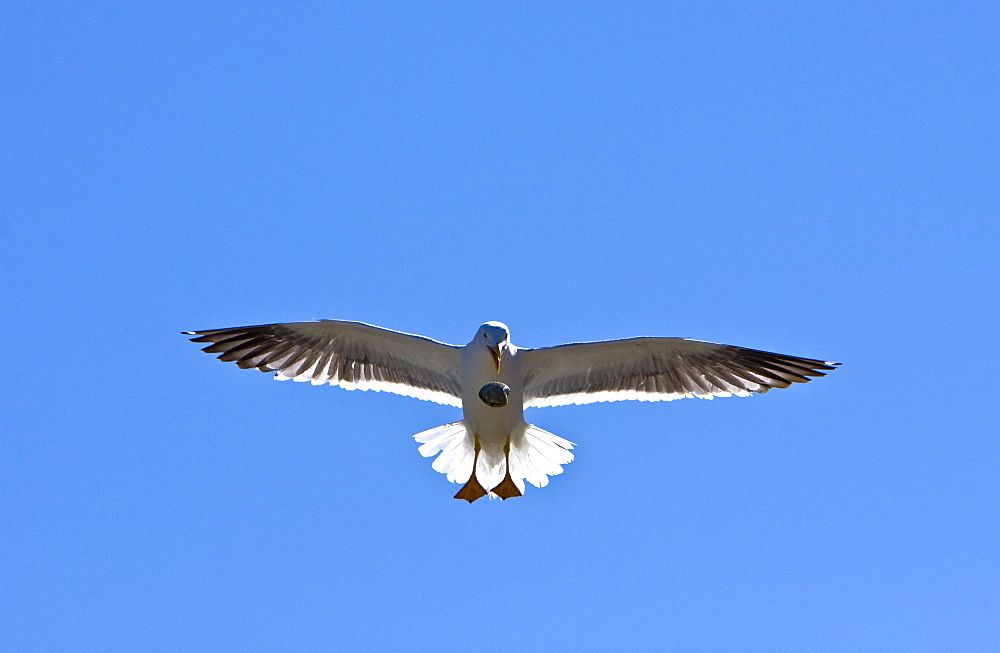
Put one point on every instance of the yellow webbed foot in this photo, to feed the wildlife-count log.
(471, 490)
(507, 488)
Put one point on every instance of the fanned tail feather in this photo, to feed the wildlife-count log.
(535, 454)
(455, 446)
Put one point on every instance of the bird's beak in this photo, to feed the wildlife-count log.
(496, 352)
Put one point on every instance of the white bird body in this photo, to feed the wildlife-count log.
(493, 424)
(496, 431)
(492, 449)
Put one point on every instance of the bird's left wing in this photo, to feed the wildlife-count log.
(656, 369)
(349, 354)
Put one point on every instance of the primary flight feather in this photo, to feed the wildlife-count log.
(494, 381)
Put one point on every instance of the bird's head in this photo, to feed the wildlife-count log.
(496, 337)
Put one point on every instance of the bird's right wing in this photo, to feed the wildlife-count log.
(656, 369)
(349, 354)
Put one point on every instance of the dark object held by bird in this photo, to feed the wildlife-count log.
(494, 394)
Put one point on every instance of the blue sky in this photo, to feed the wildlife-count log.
(818, 179)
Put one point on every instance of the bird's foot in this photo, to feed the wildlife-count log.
(507, 488)
(471, 490)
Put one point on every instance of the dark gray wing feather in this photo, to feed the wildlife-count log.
(349, 354)
(656, 369)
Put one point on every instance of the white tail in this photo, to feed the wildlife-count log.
(535, 454)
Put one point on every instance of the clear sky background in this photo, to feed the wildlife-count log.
(818, 179)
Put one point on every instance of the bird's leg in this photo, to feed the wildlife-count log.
(507, 487)
(472, 490)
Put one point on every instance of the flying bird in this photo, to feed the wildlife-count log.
(492, 450)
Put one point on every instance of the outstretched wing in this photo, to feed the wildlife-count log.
(349, 354)
(656, 369)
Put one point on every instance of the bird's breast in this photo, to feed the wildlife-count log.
(479, 369)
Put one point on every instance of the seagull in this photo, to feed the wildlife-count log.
(492, 450)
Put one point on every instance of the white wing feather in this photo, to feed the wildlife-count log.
(353, 355)
(656, 369)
